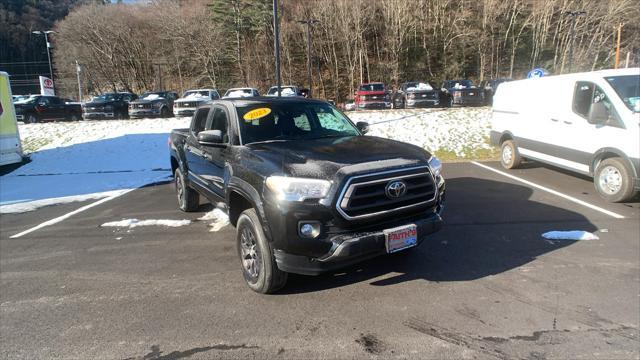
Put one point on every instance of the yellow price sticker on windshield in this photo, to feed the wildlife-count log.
(257, 114)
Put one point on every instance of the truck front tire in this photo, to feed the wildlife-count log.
(259, 267)
(188, 199)
(613, 180)
(509, 155)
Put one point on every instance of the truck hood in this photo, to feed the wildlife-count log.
(336, 157)
(372, 92)
(100, 103)
(147, 101)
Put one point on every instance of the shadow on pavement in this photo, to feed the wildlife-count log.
(490, 227)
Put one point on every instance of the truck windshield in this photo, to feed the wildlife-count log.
(196, 94)
(106, 97)
(261, 122)
(628, 89)
(284, 91)
(372, 87)
(153, 96)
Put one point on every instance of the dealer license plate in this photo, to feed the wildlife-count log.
(401, 237)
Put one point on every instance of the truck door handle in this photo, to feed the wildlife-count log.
(568, 122)
(554, 120)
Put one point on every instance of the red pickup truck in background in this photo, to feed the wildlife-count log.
(372, 96)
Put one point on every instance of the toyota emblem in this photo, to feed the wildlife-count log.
(395, 189)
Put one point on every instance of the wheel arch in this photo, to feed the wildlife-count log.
(607, 153)
(241, 196)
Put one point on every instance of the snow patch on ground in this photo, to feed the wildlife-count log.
(78, 161)
(131, 223)
(219, 217)
(457, 130)
(569, 235)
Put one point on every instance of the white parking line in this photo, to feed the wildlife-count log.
(551, 191)
(68, 215)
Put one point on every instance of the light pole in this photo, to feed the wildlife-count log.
(574, 15)
(78, 70)
(46, 39)
(276, 43)
(309, 23)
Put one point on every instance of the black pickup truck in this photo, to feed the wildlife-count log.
(463, 92)
(38, 108)
(305, 189)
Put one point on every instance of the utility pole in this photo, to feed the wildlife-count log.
(617, 64)
(46, 39)
(309, 23)
(276, 41)
(574, 15)
(79, 83)
(159, 64)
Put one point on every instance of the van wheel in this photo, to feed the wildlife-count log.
(188, 199)
(259, 267)
(509, 155)
(613, 180)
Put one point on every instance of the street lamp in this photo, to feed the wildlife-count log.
(46, 39)
(276, 44)
(309, 23)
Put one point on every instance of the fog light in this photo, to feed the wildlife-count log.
(309, 229)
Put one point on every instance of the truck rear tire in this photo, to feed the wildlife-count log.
(188, 199)
(259, 267)
(509, 155)
(613, 180)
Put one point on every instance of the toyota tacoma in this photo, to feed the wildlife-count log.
(306, 190)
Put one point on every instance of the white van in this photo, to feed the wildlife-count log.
(585, 122)
(10, 146)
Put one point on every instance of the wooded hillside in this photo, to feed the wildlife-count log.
(224, 43)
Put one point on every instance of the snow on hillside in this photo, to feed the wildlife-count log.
(78, 161)
(457, 130)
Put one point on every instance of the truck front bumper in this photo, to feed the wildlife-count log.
(374, 105)
(98, 115)
(144, 113)
(180, 112)
(348, 249)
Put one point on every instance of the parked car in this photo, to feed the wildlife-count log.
(37, 108)
(191, 99)
(286, 90)
(108, 106)
(584, 122)
(417, 94)
(241, 92)
(153, 104)
(321, 197)
(462, 92)
(349, 105)
(489, 87)
(372, 96)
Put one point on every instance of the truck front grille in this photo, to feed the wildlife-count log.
(367, 195)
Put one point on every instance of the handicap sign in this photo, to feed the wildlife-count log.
(537, 73)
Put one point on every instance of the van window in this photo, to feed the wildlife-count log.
(582, 98)
(586, 94)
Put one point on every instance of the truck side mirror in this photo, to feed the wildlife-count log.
(363, 127)
(598, 114)
(210, 137)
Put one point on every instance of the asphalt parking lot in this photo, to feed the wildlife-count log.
(486, 286)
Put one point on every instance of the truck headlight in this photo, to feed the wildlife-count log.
(297, 189)
(436, 165)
